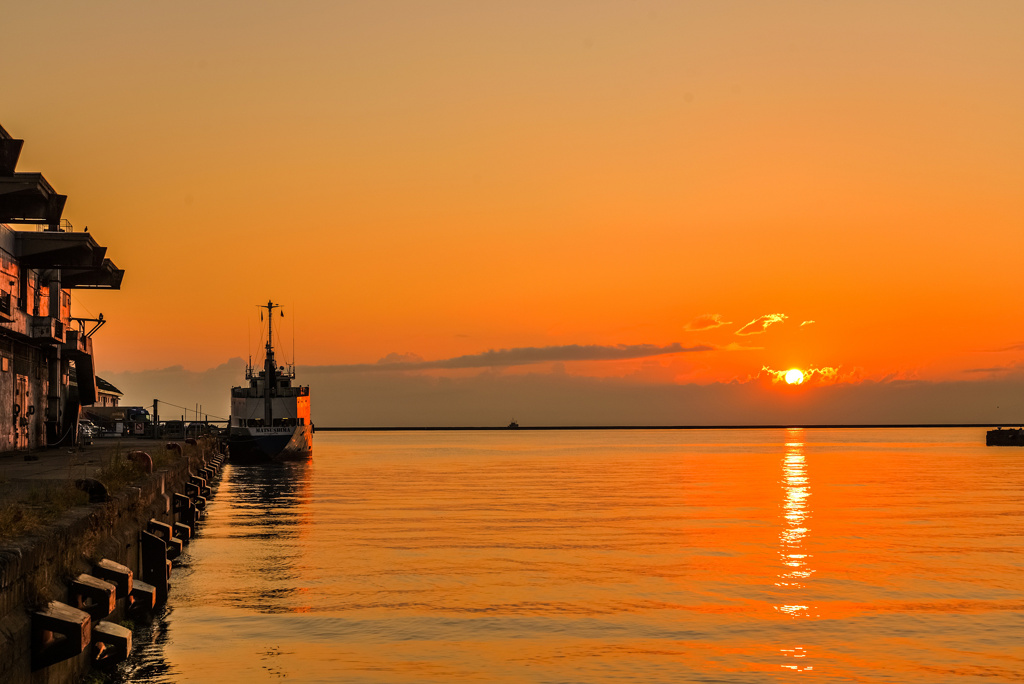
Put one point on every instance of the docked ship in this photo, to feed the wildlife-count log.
(1001, 437)
(270, 415)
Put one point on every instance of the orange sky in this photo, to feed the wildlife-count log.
(447, 178)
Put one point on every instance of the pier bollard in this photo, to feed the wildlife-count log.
(143, 596)
(93, 595)
(141, 459)
(59, 632)
(115, 573)
(96, 490)
(154, 564)
(112, 643)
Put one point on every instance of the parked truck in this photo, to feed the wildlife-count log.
(119, 420)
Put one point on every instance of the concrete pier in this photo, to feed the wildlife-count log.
(66, 584)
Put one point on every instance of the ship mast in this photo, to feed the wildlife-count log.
(269, 366)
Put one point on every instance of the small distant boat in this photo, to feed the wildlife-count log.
(270, 418)
(513, 425)
(1008, 437)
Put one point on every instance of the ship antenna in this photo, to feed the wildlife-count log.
(269, 365)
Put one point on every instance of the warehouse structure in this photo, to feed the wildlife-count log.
(42, 259)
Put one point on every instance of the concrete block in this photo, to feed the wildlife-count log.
(143, 596)
(115, 573)
(154, 564)
(166, 532)
(112, 643)
(95, 596)
(181, 503)
(59, 632)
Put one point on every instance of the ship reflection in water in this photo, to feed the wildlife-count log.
(604, 556)
(269, 525)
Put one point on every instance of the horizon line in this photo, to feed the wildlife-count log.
(780, 426)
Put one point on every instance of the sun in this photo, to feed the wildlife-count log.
(794, 376)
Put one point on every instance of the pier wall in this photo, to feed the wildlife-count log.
(38, 568)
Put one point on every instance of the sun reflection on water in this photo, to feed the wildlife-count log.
(796, 513)
(796, 569)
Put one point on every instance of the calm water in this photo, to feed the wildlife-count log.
(646, 556)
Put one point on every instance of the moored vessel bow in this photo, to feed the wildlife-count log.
(270, 416)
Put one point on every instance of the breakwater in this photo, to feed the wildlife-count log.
(70, 590)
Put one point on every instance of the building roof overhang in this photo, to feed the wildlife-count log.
(10, 150)
(29, 198)
(57, 249)
(107, 276)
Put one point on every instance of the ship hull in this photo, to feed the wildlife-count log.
(1011, 437)
(260, 445)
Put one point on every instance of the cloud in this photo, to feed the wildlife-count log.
(736, 346)
(1007, 368)
(342, 398)
(1011, 348)
(407, 357)
(523, 356)
(759, 325)
(806, 323)
(825, 373)
(707, 322)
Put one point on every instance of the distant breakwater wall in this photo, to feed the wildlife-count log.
(65, 589)
(771, 426)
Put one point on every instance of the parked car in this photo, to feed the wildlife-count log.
(86, 431)
(197, 428)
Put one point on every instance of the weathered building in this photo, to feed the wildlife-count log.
(41, 260)
(109, 396)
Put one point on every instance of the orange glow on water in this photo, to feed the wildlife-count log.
(447, 557)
